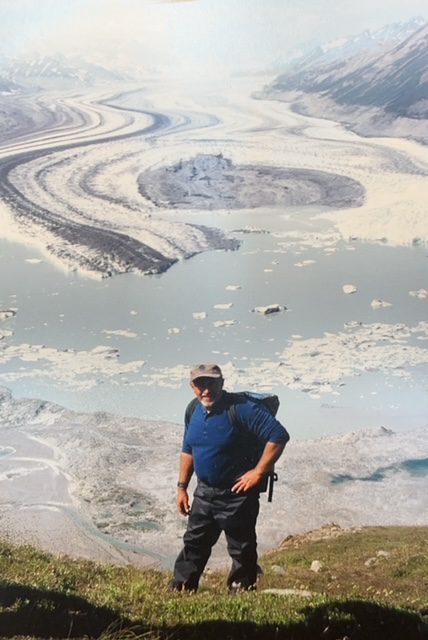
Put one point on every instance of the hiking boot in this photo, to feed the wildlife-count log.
(236, 587)
(175, 585)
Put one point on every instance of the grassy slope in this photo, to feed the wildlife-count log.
(358, 594)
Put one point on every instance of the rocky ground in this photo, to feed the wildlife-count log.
(215, 182)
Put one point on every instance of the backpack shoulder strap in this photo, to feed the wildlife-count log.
(237, 398)
(190, 409)
(231, 412)
(234, 399)
(233, 416)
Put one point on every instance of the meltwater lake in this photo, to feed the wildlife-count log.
(170, 321)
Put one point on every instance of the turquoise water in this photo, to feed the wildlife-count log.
(416, 468)
(66, 311)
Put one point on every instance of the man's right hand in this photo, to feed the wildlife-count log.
(183, 502)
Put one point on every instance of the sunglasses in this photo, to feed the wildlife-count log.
(203, 383)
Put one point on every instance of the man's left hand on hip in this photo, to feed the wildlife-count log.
(248, 481)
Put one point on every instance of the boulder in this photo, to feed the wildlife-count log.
(316, 566)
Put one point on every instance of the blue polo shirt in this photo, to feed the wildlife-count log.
(221, 451)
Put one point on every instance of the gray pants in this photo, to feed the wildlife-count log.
(213, 511)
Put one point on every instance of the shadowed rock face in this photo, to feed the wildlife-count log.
(213, 182)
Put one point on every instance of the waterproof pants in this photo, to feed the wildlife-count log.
(213, 511)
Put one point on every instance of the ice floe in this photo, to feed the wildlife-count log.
(6, 314)
(349, 288)
(380, 304)
(223, 306)
(422, 294)
(307, 239)
(174, 331)
(224, 323)
(78, 370)
(270, 308)
(320, 365)
(123, 333)
(304, 263)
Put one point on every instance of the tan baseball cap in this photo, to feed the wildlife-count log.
(205, 371)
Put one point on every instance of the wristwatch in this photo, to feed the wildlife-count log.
(182, 485)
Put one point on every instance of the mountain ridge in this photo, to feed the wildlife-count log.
(372, 92)
(50, 70)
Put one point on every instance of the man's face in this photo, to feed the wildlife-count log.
(207, 390)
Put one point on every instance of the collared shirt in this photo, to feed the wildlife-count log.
(221, 451)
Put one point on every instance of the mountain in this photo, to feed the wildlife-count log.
(382, 90)
(362, 43)
(394, 79)
(48, 71)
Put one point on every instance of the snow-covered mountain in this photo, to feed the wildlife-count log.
(47, 71)
(393, 78)
(367, 41)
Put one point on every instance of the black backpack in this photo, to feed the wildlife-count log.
(269, 402)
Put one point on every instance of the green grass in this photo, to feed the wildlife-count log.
(400, 579)
(43, 596)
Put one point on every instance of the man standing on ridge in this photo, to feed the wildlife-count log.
(229, 471)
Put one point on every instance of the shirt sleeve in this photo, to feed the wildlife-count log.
(185, 447)
(262, 423)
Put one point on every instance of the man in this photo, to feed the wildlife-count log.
(229, 472)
